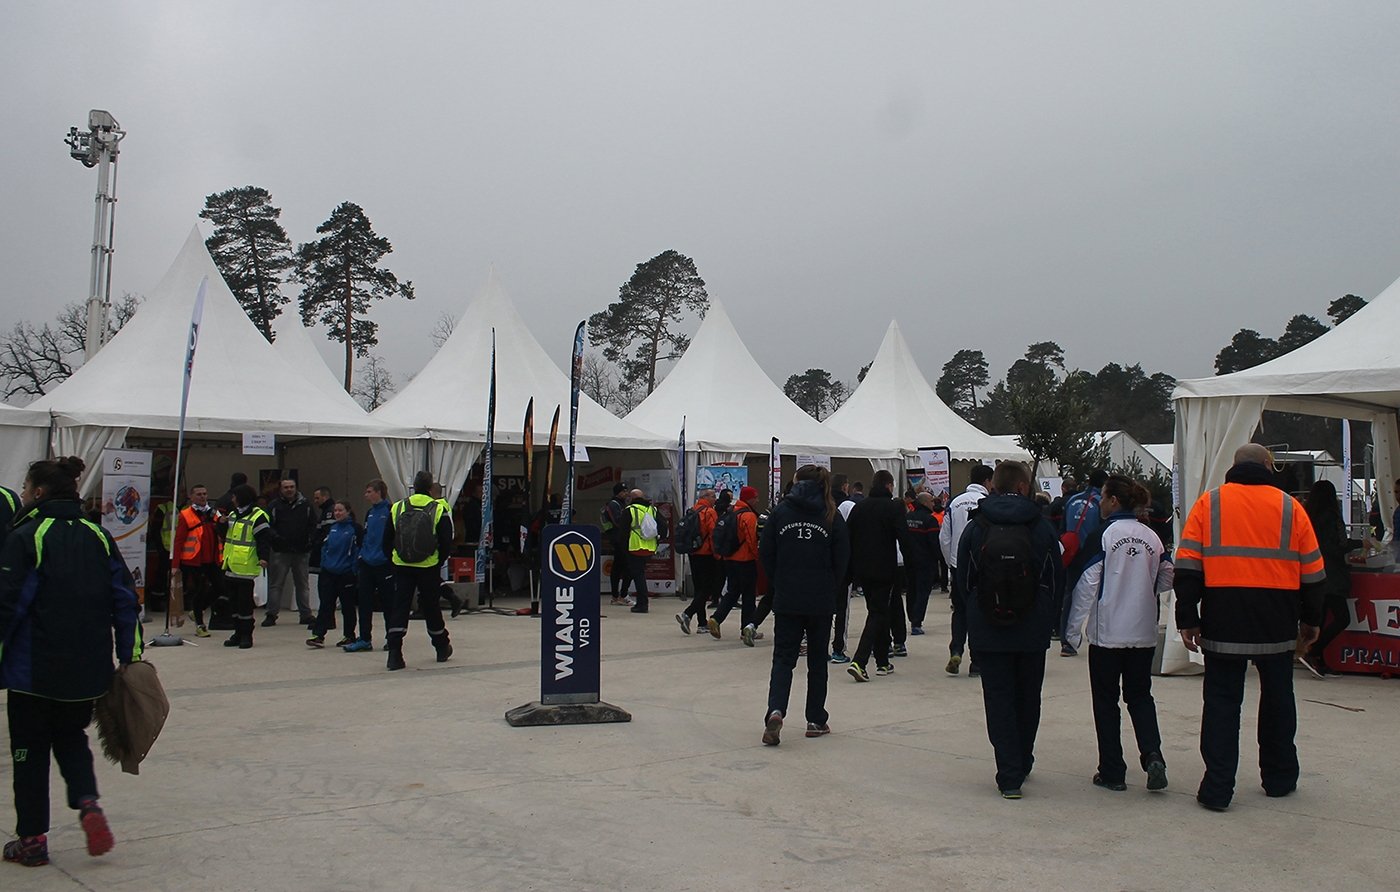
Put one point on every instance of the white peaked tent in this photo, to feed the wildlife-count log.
(24, 438)
(447, 401)
(240, 383)
(295, 345)
(895, 408)
(732, 408)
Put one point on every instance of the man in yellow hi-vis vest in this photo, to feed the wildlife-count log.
(247, 546)
(418, 538)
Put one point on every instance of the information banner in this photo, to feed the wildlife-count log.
(126, 506)
(937, 462)
(821, 461)
(570, 592)
(259, 444)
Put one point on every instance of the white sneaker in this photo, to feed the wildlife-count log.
(630, 601)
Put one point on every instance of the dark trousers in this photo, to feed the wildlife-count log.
(924, 578)
(427, 583)
(899, 630)
(842, 619)
(637, 577)
(788, 629)
(39, 726)
(240, 595)
(1132, 668)
(617, 579)
(742, 577)
(333, 588)
(376, 592)
(940, 570)
(875, 637)
(959, 642)
(763, 609)
(1011, 685)
(1336, 605)
(204, 583)
(708, 574)
(1223, 691)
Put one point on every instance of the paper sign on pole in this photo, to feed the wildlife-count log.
(821, 461)
(259, 444)
(126, 509)
(937, 462)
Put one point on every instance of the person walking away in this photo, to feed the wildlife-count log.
(858, 491)
(225, 502)
(949, 537)
(1332, 540)
(248, 537)
(1249, 583)
(920, 547)
(616, 528)
(197, 557)
(340, 553)
(1082, 517)
(293, 525)
(735, 539)
(374, 570)
(705, 569)
(1126, 571)
(804, 549)
(66, 602)
(418, 538)
(1011, 580)
(841, 624)
(324, 504)
(875, 525)
(644, 532)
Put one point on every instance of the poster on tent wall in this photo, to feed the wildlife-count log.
(937, 462)
(126, 507)
(821, 461)
(721, 478)
(660, 489)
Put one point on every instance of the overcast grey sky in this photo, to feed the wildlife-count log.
(1135, 181)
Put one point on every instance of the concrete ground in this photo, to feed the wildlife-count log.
(283, 768)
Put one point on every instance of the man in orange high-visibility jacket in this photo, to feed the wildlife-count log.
(197, 554)
(1248, 570)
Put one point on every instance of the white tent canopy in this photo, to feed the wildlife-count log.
(24, 438)
(240, 383)
(295, 345)
(895, 408)
(447, 400)
(731, 407)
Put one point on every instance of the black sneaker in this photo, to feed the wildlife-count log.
(269, 621)
(1115, 786)
(1156, 772)
(1212, 806)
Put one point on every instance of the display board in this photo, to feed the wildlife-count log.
(126, 507)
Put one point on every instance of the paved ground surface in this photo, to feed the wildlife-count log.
(283, 768)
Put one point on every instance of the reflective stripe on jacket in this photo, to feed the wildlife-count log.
(1251, 537)
(241, 545)
(636, 542)
(199, 538)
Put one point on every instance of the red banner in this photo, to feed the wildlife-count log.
(1371, 643)
(598, 478)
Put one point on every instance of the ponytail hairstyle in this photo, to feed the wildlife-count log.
(822, 477)
(56, 476)
(349, 509)
(1129, 493)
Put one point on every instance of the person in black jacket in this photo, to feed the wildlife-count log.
(804, 550)
(875, 525)
(294, 523)
(324, 505)
(1011, 657)
(920, 545)
(66, 599)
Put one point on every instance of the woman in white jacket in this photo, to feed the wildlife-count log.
(1126, 570)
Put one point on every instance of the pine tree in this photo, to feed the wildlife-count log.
(341, 276)
(647, 308)
(251, 250)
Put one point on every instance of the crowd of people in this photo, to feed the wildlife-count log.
(1254, 574)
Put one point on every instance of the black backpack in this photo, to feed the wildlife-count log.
(688, 535)
(725, 538)
(415, 533)
(1007, 577)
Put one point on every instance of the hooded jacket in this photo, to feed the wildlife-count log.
(803, 556)
(875, 525)
(66, 600)
(1127, 569)
(1034, 633)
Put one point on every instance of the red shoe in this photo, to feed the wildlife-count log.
(99, 835)
(30, 851)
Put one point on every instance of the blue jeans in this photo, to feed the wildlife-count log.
(788, 629)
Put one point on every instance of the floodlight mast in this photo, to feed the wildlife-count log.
(97, 147)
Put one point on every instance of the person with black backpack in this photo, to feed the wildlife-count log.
(418, 537)
(694, 536)
(735, 540)
(1011, 581)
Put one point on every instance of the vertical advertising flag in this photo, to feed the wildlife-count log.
(680, 466)
(529, 443)
(196, 318)
(484, 547)
(570, 596)
(126, 506)
(549, 457)
(775, 474)
(1347, 483)
(575, 381)
(938, 469)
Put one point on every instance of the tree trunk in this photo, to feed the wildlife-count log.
(349, 332)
